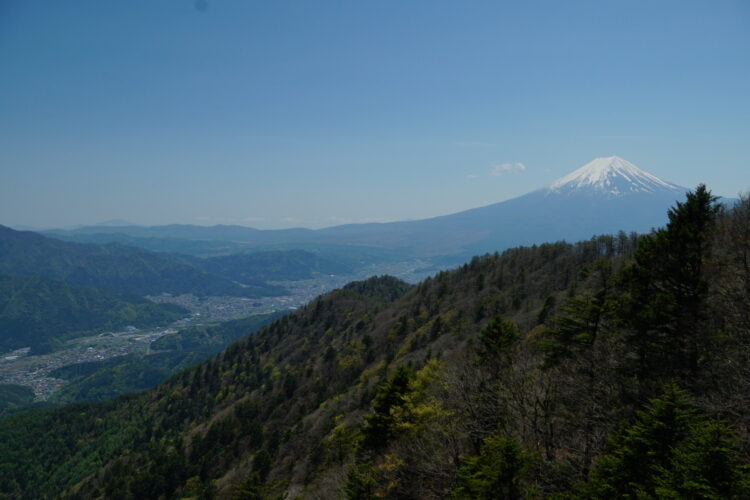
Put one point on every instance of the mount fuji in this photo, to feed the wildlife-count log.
(610, 177)
(604, 196)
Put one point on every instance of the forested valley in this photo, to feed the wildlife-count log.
(611, 368)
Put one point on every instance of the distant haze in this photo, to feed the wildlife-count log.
(316, 114)
(606, 196)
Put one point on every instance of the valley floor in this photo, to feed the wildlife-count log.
(34, 371)
(21, 368)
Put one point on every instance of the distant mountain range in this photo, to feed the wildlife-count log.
(289, 265)
(115, 267)
(604, 196)
(41, 313)
(552, 368)
(51, 290)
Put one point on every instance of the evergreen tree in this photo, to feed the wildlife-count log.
(581, 352)
(497, 473)
(497, 340)
(671, 450)
(582, 320)
(378, 428)
(360, 482)
(667, 292)
(250, 489)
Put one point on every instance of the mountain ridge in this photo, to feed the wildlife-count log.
(563, 210)
(113, 266)
(41, 313)
(397, 391)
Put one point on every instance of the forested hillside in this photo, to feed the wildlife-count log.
(115, 267)
(99, 380)
(41, 313)
(196, 247)
(616, 367)
(14, 397)
(273, 266)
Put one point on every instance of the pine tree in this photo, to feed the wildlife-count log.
(497, 341)
(583, 319)
(360, 482)
(667, 292)
(671, 450)
(497, 473)
(378, 428)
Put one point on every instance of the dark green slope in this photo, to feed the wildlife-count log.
(76, 440)
(14, 397)
(168, 245)
(115, 267)
(269, 384)
(274, 265)
(99, 380)
(215, 338)
(553, 371)
(40, 313)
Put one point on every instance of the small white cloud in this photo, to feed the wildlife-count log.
(253, 219)
(500, 169)
(472, 176)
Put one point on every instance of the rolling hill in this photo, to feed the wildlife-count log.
(613, 367)
(41, 313)
(604, 196)
(115, 267)
(278, 265)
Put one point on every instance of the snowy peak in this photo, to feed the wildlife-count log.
(611, 176)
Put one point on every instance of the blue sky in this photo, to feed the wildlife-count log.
(295, 113)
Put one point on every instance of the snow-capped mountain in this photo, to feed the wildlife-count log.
(611, 176)
(604, 196)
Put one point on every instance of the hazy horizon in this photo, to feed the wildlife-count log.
(300, 115)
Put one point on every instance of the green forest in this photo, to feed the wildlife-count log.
(610, 368)
(100, 380)
(116, 267)
(277, 265)
(14, 397)
(42, 313)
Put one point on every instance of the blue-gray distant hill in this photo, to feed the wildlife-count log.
(606, 195)
(196, 247)
(276, 265)
(115, 267)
